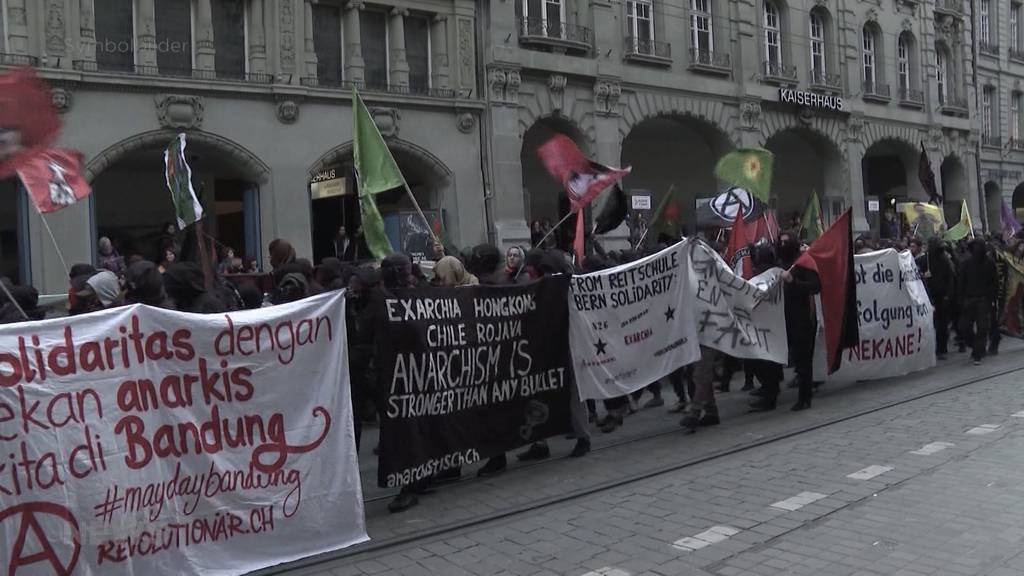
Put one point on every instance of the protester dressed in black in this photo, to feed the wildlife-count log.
(798, 292)
(978, 286)
(939, 276)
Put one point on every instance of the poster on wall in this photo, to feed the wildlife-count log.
(148, 441)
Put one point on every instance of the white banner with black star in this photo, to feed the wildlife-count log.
(632, 325)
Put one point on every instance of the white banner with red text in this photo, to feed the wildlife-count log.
(146, 441)
(894, 314)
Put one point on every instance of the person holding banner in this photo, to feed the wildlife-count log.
(979, 283)
(801, 285)
(768, 373)
(937, 270)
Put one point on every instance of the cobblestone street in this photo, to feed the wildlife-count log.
(911, 477)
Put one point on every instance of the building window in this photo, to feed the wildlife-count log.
(173, 36)
(984, 17)
(229, 32)
(701, 31)
(115, 34)
(641, 25)
(546, 16)
(903, 63)
(986, 111)
(818, 65)
(373, 30)
(3, 27)
(327, 42)
(1015, 26)
(417, 52)
(940, 75)
(772, 38)
(1015, 100)
(868, 41)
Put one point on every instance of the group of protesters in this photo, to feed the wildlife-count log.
(962, 280)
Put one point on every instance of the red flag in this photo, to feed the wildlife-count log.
(737, 254)
(54, 179)
(582, 179)
(831, 257)
(28, 121)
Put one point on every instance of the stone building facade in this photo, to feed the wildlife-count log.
(667, 86)
(262, 88)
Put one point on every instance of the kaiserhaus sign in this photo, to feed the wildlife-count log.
(810, 99)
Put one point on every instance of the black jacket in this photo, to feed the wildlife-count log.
(979, 278)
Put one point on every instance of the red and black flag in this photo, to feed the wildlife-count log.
(581, 178)
(927, 177)
(54, 179)
(831, 257)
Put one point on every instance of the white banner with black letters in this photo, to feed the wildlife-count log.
(631, 325)
(742, 318)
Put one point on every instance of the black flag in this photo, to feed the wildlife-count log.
(927, 178)
(613, 213)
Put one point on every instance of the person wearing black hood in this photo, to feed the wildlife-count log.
(798, 293)
(939, 276)
(768, 373)
(979, 282)
(185, 288)
(26, 300)
(395, 274)
(144, 285)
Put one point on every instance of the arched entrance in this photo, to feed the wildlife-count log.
(675, 152)
(993, 204)
(806, 162)
(14, 231)
(889, 169)
(132, 205)
(545, 199)
(1017, 202)
(334, 201)
(953, 187)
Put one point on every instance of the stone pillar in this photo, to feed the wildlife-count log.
(399, 73)
(855, 175)
(87, 31)
(205, 48)
(146, 22)
(307, 26)
(508, 197)
(439, 51)
(17, 27)
(353, 47)
(55, 17)
(257, 38)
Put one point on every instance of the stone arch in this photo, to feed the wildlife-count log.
(806, 162)
(572, 105)
(876, 132)
(830, 128)
(343, 153)
(247, 162)
(1017, 200)
(993, 203)
(641, 106)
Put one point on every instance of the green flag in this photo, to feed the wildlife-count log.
(377, 172)
(748, 168)
(179, 181)
(963, 228)
(811, 223)
(375, 165)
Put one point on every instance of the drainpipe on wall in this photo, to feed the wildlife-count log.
(485, 120)
(977, 110)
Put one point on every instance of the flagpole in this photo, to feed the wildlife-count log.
(56, 247)
(11, 299)
(545, 237)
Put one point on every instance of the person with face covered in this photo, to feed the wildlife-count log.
(979, 281)
(800, 286)
(937, 271)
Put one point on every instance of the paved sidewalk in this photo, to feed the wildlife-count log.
(787, 507)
